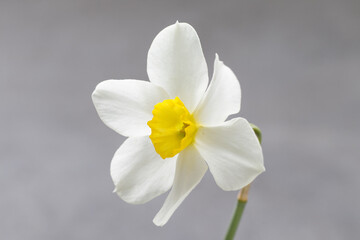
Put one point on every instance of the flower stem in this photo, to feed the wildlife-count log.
(241, 200)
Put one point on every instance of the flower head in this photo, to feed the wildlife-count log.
(176, 125)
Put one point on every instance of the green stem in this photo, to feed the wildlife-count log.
(241, 201)
(236, 218)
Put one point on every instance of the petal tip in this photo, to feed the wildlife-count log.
(158, 223)
(217, 59)
(160, 220)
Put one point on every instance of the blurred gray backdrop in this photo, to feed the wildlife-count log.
(298, 63)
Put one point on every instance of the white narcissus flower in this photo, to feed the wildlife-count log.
(176, 125)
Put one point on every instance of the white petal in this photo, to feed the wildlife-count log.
(126, 105)
(232, 152)
(222, 97)
(177, 64)
(139, 173)
(190, 169)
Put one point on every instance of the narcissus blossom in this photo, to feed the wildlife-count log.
(176, 125)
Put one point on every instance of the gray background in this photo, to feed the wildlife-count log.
(298, 63)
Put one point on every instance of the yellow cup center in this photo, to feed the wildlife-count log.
(173, 128)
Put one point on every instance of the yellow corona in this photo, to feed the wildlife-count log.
(173, 128)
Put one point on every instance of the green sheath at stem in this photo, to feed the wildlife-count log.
(241, 201)
(257, 131)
